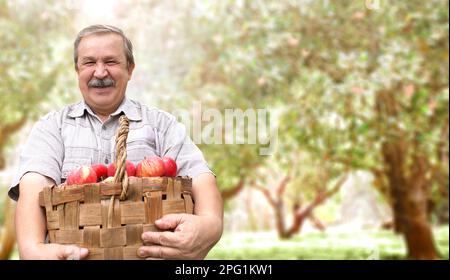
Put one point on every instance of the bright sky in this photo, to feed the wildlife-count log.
(98, 11)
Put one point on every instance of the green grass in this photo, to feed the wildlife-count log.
(381, 244)
(319, 246)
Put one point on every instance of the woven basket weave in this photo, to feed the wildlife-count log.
(93, 216)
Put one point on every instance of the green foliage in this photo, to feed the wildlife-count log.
(31, 35)
(347, 79)
(34, 64)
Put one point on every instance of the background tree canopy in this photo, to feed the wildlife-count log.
(362, 89)
(31, 64)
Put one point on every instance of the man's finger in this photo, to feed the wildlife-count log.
(165, 238)
(170, 221)
(159, 252)
(74, 253)
(71, 253)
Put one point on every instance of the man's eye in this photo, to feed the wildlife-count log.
(111, 62)
(88, 63)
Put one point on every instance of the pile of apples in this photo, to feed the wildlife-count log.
(148, 167)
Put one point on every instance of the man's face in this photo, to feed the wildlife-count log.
(103, 72)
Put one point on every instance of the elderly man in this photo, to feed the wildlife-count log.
(84, 133)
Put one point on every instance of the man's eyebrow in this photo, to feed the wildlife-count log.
(91, 58)
(111, 57)
(87, 58)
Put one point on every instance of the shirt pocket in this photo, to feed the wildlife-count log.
(70, 163)
(140, 144)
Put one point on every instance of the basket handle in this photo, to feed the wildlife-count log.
(121, 155)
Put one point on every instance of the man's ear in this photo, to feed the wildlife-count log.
(130, 70)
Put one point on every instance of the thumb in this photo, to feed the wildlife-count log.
(83, 253)
(71, 252)
(169, 221)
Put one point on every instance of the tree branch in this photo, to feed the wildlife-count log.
(316, 222)
(229, 193)
(321, 197)
(266, 193)
(5, 132)
(282, 185)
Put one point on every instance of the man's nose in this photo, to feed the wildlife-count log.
(100, 71)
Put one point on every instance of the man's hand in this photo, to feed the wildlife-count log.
(192, 237)
(55, 252)
(31, 224)
(187, 236)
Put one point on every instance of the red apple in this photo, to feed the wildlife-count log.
(131, 169)
(101, 170)
(139, 169)
(170, 167)
(82, 175)
(151, 167)
(129, 166)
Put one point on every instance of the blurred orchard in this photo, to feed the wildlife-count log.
(358, 91)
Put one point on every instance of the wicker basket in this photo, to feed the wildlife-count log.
(93, 216)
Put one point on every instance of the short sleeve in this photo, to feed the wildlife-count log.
(42, 153)
(176, 143)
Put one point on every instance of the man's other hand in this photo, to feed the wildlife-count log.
(56, 252)
(184, 236)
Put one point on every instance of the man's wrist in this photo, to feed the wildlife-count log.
(215, 225)
(31, 250)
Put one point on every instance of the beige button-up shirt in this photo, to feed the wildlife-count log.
(74, 136)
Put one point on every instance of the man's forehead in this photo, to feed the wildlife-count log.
(108, 44)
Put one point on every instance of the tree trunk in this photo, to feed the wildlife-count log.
(7, 237)
(7, 232)
(409, 201)
(279, 218)
(393, 157)
(406, 171)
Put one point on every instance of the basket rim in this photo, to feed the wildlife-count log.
(62, 193)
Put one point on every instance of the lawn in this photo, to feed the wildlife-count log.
(381, 244)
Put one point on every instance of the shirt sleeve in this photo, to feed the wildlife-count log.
(176, 143)
(42, 153)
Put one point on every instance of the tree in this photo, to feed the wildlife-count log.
(301, 186)
(355, 86)
(29, 71)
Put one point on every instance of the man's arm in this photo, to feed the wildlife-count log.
(31, 224)
(193, 235)
(208, 201)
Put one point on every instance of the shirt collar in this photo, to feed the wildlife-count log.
(127, 107)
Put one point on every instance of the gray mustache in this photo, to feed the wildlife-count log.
(100, 83)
